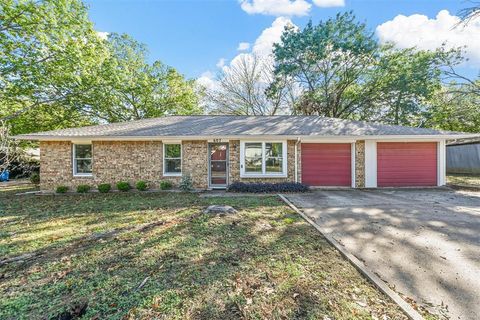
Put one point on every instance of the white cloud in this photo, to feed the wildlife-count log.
(276, 7)
(243, 46)
(428, 34)
(221, 63)
(207, 80)
(262, 48)
(103, 35)
(264, 43)
(329, 3)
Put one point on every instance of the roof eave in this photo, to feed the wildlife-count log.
(237, 137)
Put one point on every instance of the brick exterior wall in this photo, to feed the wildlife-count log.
(195, 162)
(56, 164)
(360, 164)
(115, 161)
(130, 161)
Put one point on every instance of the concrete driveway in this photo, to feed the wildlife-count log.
(424, 243)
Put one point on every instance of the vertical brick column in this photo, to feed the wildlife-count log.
(233, 161)
(195, 162)
(360, 164)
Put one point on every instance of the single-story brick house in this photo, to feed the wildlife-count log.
(218, 150)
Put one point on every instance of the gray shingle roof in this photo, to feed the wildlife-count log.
(218, 126)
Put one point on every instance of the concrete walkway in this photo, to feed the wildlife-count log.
(424, 243)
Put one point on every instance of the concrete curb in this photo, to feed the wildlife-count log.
(360, 266)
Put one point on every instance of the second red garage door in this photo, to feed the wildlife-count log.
(326, 164)
(406, 164)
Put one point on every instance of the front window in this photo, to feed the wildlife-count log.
(172, 163)
(82, 159)
(273, 157)
(253, 157)
(264, 159)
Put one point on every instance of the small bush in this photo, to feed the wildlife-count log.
(123, 186)
(186, 183)
(267, 187)
(104, 187)
(83, 188)
(166, 185)
(35, 178)
(61, 189)
(141, 185)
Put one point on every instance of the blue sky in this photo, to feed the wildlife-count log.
(193, 35)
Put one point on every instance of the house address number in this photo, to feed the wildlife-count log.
(217, 140)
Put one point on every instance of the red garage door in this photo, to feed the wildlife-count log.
(406, 164)
(326, 164)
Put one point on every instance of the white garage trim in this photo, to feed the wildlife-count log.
(441, 163)
(370, 164)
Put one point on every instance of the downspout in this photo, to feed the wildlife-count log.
(296, 159)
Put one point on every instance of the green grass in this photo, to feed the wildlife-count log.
(156, 255)
(464, 179)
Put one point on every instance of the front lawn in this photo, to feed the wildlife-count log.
(131, 256)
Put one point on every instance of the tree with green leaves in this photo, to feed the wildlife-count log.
(130, 88)
(330, 62)
(345, 73)
(405, 80)
(48, 53)
(454, 108)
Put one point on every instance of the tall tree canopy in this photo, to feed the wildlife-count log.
(329, 62)
(130, 88)
(56, 71)
(345, 73)
(455, 108)
(48, 52)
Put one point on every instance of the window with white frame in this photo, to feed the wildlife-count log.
(263, 158)
(172, 159)
(82, 159)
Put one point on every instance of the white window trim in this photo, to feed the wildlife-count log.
(74, 160)
(173, 174)
(264, 174)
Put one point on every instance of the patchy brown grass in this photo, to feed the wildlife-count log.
(143, 256)
(464, 179)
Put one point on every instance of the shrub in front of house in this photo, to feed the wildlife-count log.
(166, 184)
(123, 186)
(186, 184)
(35, 178)
(141, 185)
(83, 188)
(61, 189)
(104, 187)
(267, 187)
